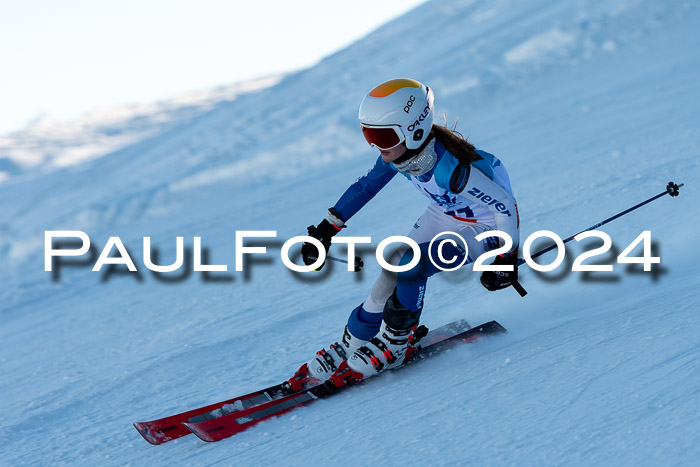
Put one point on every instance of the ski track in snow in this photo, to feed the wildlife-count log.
(592, 106)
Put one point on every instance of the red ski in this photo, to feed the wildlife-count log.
(228, 425)
(169, 428)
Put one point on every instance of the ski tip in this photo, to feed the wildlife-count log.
(197, 433)
(143, 430)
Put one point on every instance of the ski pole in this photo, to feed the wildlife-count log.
(671, 190)
(359, 264)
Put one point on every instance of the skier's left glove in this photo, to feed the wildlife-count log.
(324, 232)
(497, 280)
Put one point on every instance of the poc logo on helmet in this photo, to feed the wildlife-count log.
(409, 104)
(420, 118)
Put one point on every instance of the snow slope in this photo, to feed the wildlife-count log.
(48, 143)
(593, 107)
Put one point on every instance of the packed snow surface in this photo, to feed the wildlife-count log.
(592, 106)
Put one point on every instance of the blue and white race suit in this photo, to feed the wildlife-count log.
(465, 199)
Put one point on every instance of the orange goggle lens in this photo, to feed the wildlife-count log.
(383, 137)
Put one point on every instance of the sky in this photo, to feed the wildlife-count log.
(63, 59)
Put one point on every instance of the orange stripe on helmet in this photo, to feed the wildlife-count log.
(391, 86)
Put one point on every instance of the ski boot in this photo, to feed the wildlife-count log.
(347, 374)
(398, 338)
(385, 351)
(324, 364)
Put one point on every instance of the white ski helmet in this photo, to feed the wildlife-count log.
(395, 111)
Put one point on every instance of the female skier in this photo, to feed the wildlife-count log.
(469, 192)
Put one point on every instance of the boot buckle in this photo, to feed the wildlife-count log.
(345, 375)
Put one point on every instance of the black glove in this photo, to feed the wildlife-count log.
(323, 232)
(497, 280)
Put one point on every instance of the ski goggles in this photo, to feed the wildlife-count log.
(383, 137)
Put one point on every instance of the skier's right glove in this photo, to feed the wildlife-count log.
(323, 232)
(497, 280)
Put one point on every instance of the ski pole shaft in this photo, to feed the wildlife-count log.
(359, 264)
(671, 190)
